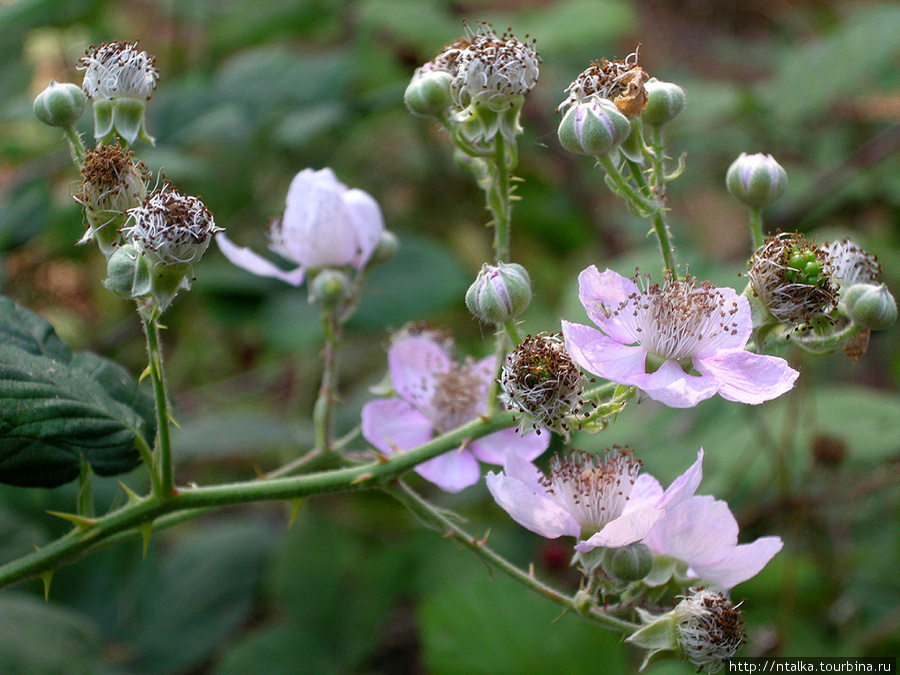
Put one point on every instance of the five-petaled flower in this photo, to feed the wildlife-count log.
(434, 394)
(599, 501)
(680, 342)
(325, 224)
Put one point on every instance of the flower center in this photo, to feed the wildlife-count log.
(593, 489)
(457, 394)
(620, 81)
(678, 320)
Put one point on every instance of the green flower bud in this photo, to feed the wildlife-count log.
(499, 293)
(593, 127)
(629, 563)
(664, 102)
(428, 93)
(61, 104)
(328, 287)
(386, 248)
(127, 274)
(869, 305)
(756, 180)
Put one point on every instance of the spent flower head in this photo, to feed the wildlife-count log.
(792, 278)
(680, 341)
(620, 81)
(435, 394)
(850, 264)
(119, 79)
(709, 629)
(541, 381)
(111, 184)
(492, 70)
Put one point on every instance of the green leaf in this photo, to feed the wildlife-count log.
(36, 637)
(56, 407)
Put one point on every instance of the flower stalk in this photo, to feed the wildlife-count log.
(165, 487)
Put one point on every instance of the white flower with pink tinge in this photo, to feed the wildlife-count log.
(681, 342)
(325, 224)
(434, 394)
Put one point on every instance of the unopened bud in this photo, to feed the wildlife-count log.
(756, 180)
(500, 292)
(593, 127)
(428, 93)
(629, 563)
(869, 305)
(127, 274)
(61, 104)
(665, 101)
(328, 287)
(386, 248)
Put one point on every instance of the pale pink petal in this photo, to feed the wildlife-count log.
(532, 511)
(602, 355)
(414, 362)
(748, 378)
(493, 447)
(368, 224)
(646, 491)
(744, 562)
(522, 470)
(452, 471)
(483, 372)
(392, 424)
(739, 324)
(683, 487)
(601, 294)
(626, 529)
(671, 386)
(254, 263)
(700, 531)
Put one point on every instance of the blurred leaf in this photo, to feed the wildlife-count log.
(56, 408)
(575, 24)
(24, 213)
(238, 434)
(492, 625)
(421, 280)
(203, 592)
(281, 647)
(297, 129)
(840, 65)
(41, 638)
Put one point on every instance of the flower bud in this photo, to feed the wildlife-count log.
(428, 93)
(756, 180)
(593, 127)
(869, 305)
(629, 563)
(127, 274)
(328, 287)
(665, 101)
(386, 248)
(61, 104)
(500, 292)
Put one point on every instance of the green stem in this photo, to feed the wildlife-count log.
(433, 517)
(166, 484)
(198, 500)
(756, 228)
(499, 201)
(666, 247)
(622, 187)
(76, 145)
(324, 406)
(85, 502)
(512, 329)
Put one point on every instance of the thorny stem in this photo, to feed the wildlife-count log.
(166, 485)
(436, 519)
(324, 406)
(191, 501)
(76, 145)
(499, 201)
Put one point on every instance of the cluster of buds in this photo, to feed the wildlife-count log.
(606, 104)
(477, 85)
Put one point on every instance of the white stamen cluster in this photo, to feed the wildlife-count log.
(111, 183)
(789, 301)
(593, 489)
(170, 228)
(456, 396)
(851, 264)
(493, 70)
(118, 70)
(540, 380)
(679, 319)
(622, 82)
(709, 629)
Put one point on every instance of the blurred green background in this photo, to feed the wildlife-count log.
(250, 93)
